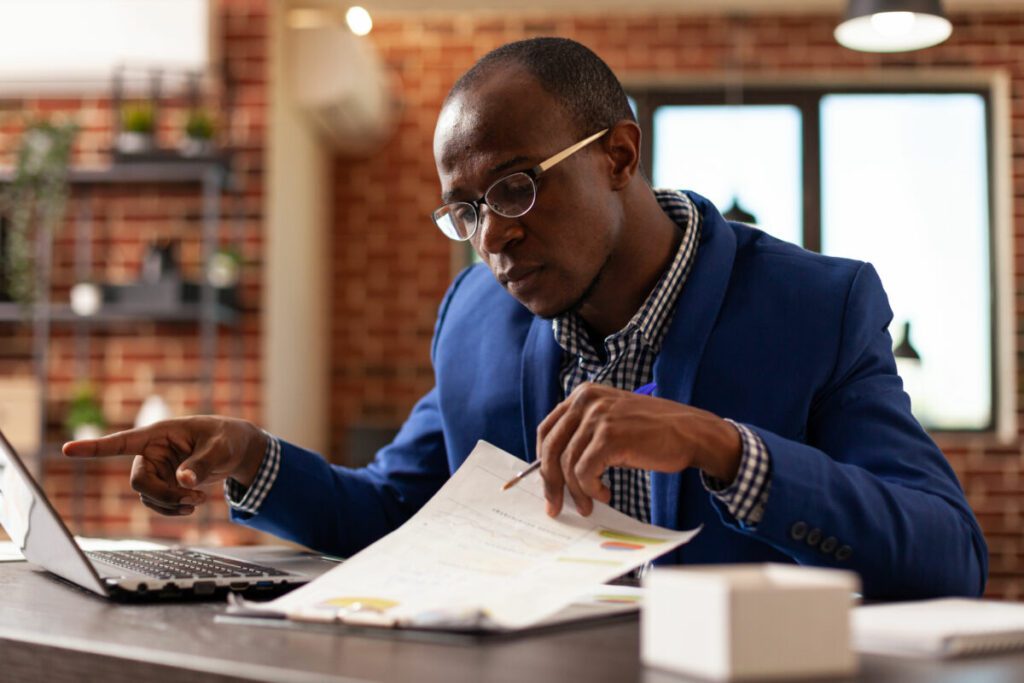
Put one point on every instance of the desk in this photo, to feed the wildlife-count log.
(53, 632)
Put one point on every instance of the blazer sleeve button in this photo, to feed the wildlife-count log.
(828, 545)
(798, 531)
(813, 537)
(844, 553)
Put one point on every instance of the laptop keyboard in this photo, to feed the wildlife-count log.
(183, 564)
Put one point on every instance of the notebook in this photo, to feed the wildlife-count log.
(944, 628)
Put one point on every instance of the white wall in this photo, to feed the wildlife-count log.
(295, 289)
(73, 46)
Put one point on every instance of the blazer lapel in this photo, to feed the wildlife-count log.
(542, 359)
(675, 369)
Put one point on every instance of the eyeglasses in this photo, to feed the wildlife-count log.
(511, 197)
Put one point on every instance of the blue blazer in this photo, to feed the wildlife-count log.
(791, 343)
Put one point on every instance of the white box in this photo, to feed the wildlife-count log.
(733, 622)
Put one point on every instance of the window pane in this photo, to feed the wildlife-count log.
(905, 186)
(43, 44)
(726, 153)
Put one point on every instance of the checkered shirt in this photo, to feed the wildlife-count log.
(249, 500)
(626, 361)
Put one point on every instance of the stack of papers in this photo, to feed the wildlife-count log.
(949, 627)
(479, 558)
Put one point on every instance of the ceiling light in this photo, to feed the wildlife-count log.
(358, 20)
(893, 25)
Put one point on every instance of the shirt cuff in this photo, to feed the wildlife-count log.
(747, 496)
(249, 500)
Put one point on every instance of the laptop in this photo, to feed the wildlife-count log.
(31, 521)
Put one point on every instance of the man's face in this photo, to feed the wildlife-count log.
(549, 258)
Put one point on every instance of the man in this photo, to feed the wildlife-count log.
(601, 285)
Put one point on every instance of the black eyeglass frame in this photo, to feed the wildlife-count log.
(532, 174)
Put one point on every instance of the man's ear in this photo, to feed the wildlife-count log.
(622, 145)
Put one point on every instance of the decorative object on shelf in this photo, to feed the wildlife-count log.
(161, 263)
(154, 409)
(160, 285)
(199, 130)
(225, 267)
(893, 25)
(86, 299)
(85, 416)
(33, 203)
(161, 288)
(138, 129)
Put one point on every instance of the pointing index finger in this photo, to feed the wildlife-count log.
(128, 442)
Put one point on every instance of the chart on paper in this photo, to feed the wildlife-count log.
(476, 552)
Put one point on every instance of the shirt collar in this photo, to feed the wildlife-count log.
(652, 318)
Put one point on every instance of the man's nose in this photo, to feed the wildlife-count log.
(496, 232)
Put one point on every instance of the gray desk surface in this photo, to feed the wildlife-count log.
(53, 632)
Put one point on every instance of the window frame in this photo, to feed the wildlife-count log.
(807, 99)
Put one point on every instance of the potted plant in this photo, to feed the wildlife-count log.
(33, 204)
(138, 125)
(199, 130)
(225, 266)
(85, 416)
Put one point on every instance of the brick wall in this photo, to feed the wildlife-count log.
(391, 266)
(128, 362)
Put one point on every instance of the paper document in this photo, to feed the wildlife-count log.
(946, 627)
(478, 557)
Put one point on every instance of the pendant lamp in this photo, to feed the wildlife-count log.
(893, 25)
(905, 349)
(738, 214)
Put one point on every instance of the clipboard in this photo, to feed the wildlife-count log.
(611, 605)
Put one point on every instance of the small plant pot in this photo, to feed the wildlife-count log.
(223, 269)
(196, 147)
(131, 142)
(87, 432)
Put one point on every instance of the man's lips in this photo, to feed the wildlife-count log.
(517, 274)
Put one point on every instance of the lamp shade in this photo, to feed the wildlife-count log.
(893, 25)
(905, 349)
(737, 213)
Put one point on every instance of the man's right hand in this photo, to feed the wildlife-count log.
(175, 457)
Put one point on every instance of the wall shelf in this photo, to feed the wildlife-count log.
(62, 313)
(211, 175)
(171, 170)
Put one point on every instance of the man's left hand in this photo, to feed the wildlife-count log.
(597, 427)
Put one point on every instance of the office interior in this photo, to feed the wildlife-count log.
(245, 226)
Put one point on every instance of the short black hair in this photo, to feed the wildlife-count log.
(570, 71)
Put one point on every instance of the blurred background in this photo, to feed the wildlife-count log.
(223, 206)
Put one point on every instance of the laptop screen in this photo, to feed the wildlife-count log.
(32, 523)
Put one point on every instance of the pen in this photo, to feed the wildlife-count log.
(645, 390)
